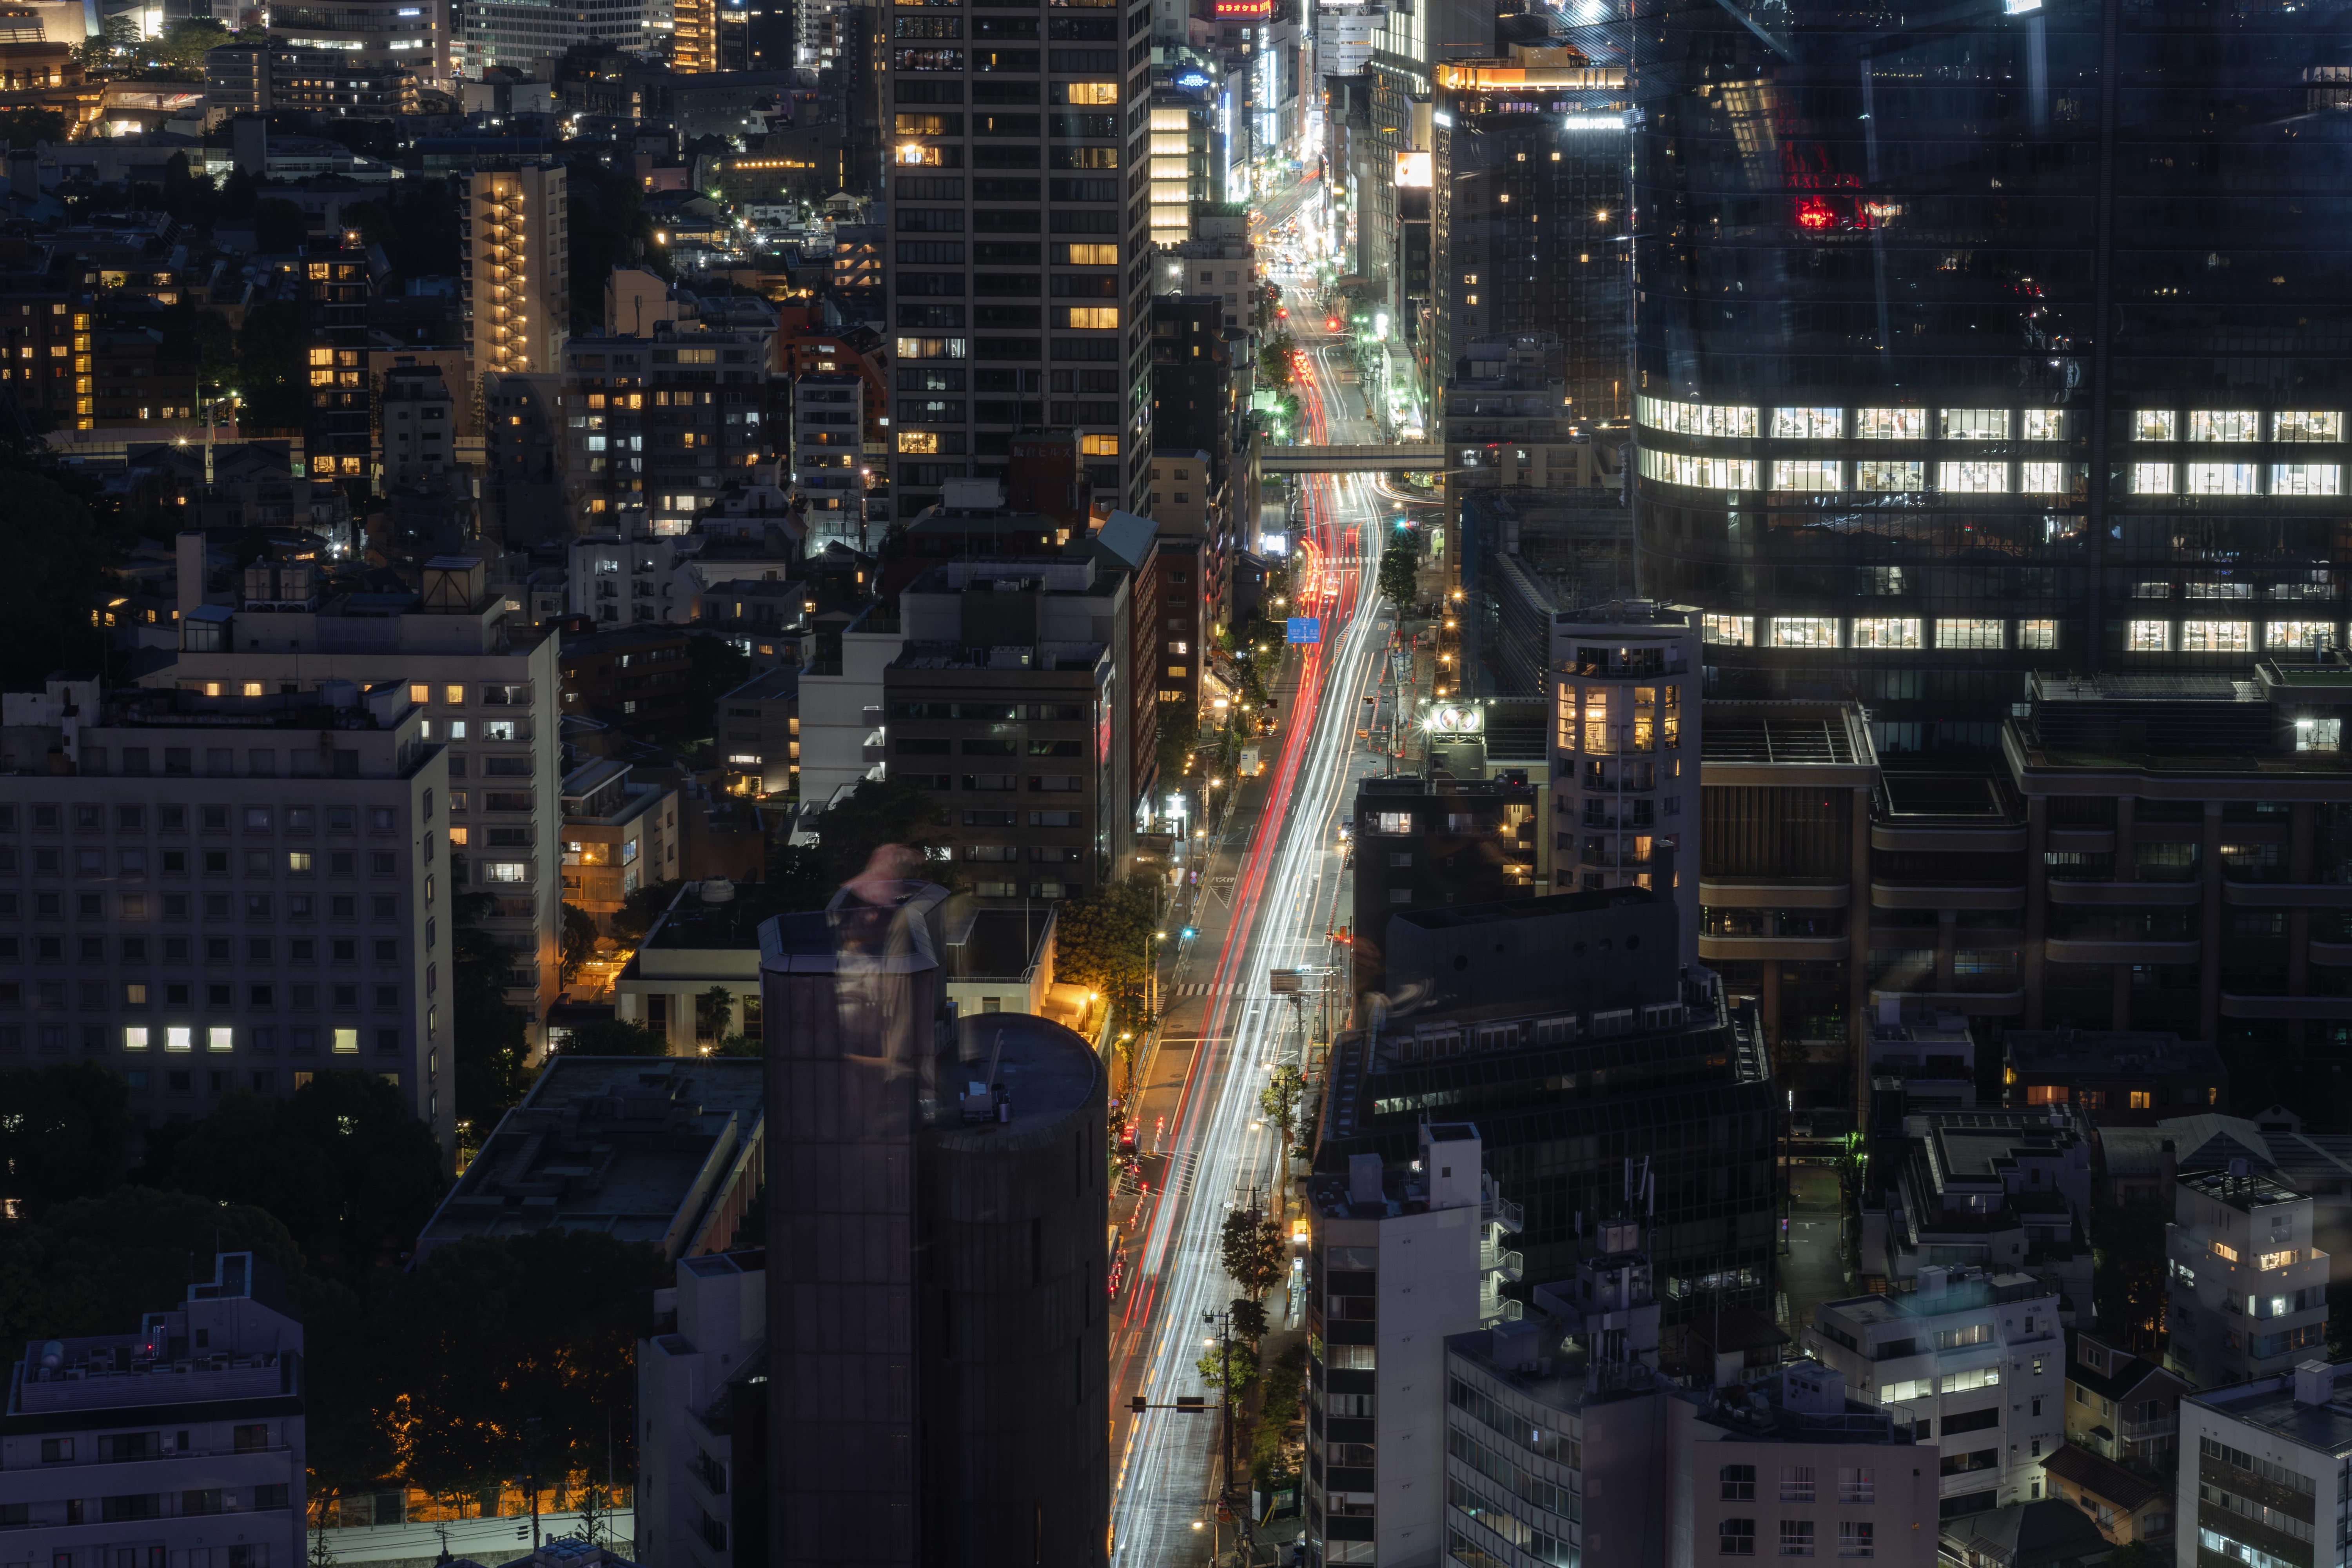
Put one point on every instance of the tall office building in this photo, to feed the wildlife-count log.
(1019, 226)
(516, 249)
(1917, 417)
(1528, 188)
(937, 1327)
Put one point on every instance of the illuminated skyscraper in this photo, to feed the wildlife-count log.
(1019, 225)
(1999, 341)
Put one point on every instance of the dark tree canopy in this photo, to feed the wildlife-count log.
(340, 1163)
(63, 1132)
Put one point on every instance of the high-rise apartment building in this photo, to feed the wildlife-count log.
(229, 887)
(2102, 437)
(668, 419)
(514, 234)
(1625, 690)
(489, 694)
(1008, 703)
(1019, 232)
(2266, 1468)
(2246, 1292)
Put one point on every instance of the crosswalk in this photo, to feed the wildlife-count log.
(1183, 989)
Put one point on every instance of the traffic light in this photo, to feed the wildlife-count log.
(1139, 1404)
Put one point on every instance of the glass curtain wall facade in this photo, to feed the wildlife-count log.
(1019, 272)
(1988, 340)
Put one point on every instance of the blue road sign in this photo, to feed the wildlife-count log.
(1307, 628)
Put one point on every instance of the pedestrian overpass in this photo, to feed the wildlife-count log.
(1350, 459)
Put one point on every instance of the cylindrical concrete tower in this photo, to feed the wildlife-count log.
(1013, 1190)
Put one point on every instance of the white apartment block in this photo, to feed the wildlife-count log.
(1974, 1360)
(1398, 1260)
(842, 704)
(212, 892)
(700, 1366)
(2266, 1471)
(489, 694)
(1563, 1445)
(178, 1445)
(2246, 1292)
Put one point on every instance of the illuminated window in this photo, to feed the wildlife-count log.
(1808, 423)
(926, 348)
(2041, 479)
(134, 1038)
(347, 1042)
(1975, 479)
(1804, 631)
(2041, 635)
(249, 689)
(2150, 637)
(458, 837)
(1099, 446)
(1878, 632)
(2224, 424)
(1806, 474)
(1094, 256)
(1973, 425)
(2298, 634)
(2044, 425)
(1708, 473)
(2152, 479)
(219, 1037)
(2153, 424)
(1731, 631)
(1968, 633)
(506, 871)
(419, 692)
(455, 696)
(2219, 480)
(323, 356)
(179, 1037)
(921, 443)
(1092, 91)
(1093, 318)
(2306, 479)
(1697, 418)
(1882, 476)
(2217, 637)
(2307, 425)
(1890, 424)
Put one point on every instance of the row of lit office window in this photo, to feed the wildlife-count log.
(1995, 477)
(1979, 634)
(1980, 424)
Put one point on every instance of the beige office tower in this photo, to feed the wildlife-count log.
(514, 245)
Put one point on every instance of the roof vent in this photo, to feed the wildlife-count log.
(2315, 1382)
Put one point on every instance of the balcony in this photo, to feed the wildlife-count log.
(2149, 1429)
(2305, 1007)
(1946, 896)
(2288, 895)
(2121, 950)
(1775, 893)
(2172, 894)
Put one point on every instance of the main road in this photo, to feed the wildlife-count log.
(1286, 899)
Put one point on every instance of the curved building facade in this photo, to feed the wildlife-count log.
(1980, 341)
